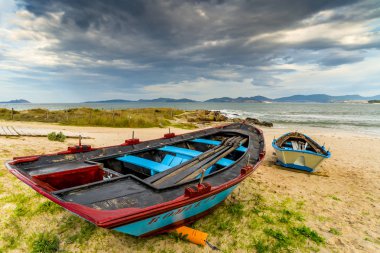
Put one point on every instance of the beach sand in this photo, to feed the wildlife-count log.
(341, 202)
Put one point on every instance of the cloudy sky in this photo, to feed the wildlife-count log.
(72, 51)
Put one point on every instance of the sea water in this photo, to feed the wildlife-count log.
(357, 117)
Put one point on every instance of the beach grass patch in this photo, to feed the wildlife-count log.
(20, 210)
(262, 247)
(268, 219)
(278, 235)
(236, 209)
(49, 207)
(75, 229)
(335, 197)
(44, 243)
(308, 233)
(284, 219)
(53, 136)
(335, 231)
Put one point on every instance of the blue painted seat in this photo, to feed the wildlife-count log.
(169, 161)
(182, 151)
(153, 166)
(173, 161)
(215, 143)
(189, 153)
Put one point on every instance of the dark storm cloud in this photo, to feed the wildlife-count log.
(181, 40)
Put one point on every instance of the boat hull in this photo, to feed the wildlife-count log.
(126, 201)
(163, 222)
(299, 160)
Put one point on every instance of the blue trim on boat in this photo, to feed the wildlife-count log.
(173, 161)
(294, 166)
(154, 167)
(215, 143)
(182, 151)
(301, 151)
(156, 222)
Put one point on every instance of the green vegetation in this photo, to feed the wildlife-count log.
(335, 197)
(49, 207)
(374, 101)
(140, 117)
(308, 233)
(53, 136)
(335, 231)
(44, 243)
(260, 224)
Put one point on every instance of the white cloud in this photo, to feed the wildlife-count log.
(26, 43)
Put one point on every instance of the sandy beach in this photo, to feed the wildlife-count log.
(340, 202)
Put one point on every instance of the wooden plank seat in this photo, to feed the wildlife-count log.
(216, 143)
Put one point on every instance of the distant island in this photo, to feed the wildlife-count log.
(374, 102)
(16, 101)
(314, 98)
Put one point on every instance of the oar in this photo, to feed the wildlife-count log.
(212, 162)
(173, 179)
(197, 160)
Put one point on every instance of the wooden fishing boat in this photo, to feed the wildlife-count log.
(144, 188)
(298, 151)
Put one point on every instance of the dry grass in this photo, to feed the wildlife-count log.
(141, 117)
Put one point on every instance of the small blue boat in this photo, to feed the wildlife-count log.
(298, 151)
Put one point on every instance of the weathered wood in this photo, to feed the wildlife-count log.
(197, 160)
(12, 131)
(211, 163)
(296, 135)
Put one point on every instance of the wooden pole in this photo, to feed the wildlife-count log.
(12, 113)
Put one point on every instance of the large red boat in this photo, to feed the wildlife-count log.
(144, 188)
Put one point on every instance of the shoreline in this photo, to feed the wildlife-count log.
(285, 128)
(350, 118)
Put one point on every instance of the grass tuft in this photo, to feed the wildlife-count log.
(261, 247)
(278, 235)
(53, 136)
(49, 207)
(236, 209)
(335, 231)
(44, 243)
(308, 233)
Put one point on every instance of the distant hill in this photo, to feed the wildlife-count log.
(314, 98)
(323, 98)
(256, 99)
(168, 100)
(110, 101)
(16, 101)
(165, 100)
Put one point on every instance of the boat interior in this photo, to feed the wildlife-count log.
(300, 142)
(188, 160)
